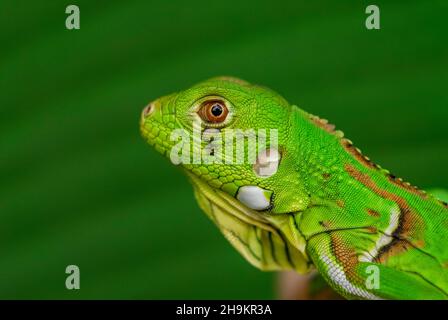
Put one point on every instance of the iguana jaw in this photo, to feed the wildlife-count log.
(253, 235)
(222, 199)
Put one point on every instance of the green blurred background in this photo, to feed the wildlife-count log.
(79, 186)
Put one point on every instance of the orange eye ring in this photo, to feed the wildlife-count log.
(213, 111)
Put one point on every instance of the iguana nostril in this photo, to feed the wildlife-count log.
(148, 110)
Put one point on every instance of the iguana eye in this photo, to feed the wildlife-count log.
(213, 111)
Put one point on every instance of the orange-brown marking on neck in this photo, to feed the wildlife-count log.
(340, 203)
(407, 186)
(357, 154)
(408, 233)
(325, 224)
(420, 243)
(346, 255)
(323, 123)
(373, 213)
(396, 247)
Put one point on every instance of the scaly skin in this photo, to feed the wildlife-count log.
(330, 207)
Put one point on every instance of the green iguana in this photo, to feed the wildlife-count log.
(309, 199)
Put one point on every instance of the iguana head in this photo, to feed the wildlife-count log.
(232, 139)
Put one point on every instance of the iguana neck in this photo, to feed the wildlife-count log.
(326, 160)
(314, 145)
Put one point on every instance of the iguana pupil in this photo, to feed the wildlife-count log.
(217, 110)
